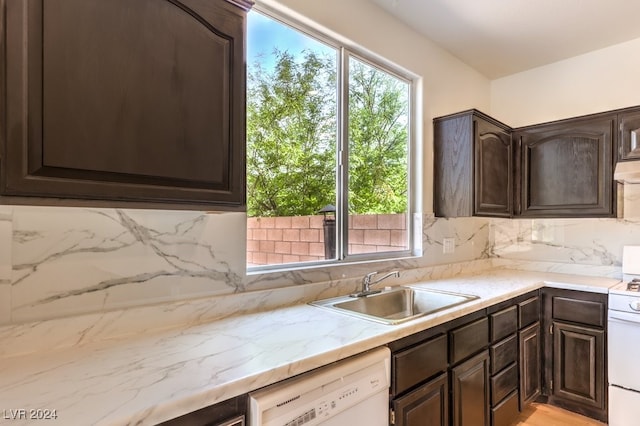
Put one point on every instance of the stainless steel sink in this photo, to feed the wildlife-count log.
(397, 305)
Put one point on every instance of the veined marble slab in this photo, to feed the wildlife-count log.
(63, 261)
(471, 236)
(68, 260)
(595, 242)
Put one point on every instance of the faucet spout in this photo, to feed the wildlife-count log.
(368, 281)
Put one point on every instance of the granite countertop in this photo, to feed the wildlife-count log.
(156, 376)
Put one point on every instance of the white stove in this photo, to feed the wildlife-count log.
(629, 286)
(624, 342)
(633, 285)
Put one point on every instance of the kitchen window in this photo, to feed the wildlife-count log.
(329, 150)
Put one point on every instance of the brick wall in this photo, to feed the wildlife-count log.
(276, 240)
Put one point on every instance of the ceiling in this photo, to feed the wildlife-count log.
(503, 37)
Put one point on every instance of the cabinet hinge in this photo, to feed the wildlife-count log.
(392, 417)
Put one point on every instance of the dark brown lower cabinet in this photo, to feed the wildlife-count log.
(426, 406)
(503, 353)
(468, 371)
(575, 352)
(578, 366)
(470, 386)
(529, 360)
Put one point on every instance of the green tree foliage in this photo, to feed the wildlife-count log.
(378, 104)
(291, 136)
(292, 133)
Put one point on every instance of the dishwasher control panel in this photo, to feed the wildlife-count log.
(333, 399)
(303, 419)
(315, 398)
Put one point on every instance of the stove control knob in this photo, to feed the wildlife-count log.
(635, 305)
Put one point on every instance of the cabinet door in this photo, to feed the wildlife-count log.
(122, 100)
(574, 333)
(472, 166)
(566, 168)
(578, 365)
(530, 364)
(629, 138)
(426, 406)
(453, 165)
(470, 385)
(493, 169)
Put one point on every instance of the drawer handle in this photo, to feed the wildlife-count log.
(635, 305)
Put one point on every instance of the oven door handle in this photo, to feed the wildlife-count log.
(628, 317)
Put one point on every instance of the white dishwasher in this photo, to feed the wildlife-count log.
(354, 391)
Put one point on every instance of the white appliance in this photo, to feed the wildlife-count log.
(624, 343)
(351, 392)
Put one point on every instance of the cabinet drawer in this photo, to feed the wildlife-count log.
(418, 363)
(504, 353)
(528, 312)
(504, 383)
(226, 413)
(468, 340)
(580, 311)
(504, 323)
(506, 412)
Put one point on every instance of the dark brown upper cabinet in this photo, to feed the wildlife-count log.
(566, 168)
(126, 101)
(629, 137)
(473, 166)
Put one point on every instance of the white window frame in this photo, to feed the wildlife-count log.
(345, 50)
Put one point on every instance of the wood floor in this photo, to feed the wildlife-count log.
(546, 415)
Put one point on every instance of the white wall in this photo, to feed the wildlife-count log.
(448, 85)
(598, 81)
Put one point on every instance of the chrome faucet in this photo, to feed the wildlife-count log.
(367, 283)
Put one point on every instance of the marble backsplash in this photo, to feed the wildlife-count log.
(594, 242)
(58, 261)
(65, 261)
(575, 241)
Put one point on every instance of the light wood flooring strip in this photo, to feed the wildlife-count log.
(547, 415)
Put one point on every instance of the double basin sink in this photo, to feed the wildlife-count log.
(397, 305)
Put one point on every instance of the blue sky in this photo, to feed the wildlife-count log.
(263, 34)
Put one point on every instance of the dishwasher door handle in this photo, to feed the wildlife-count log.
(624, 317)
